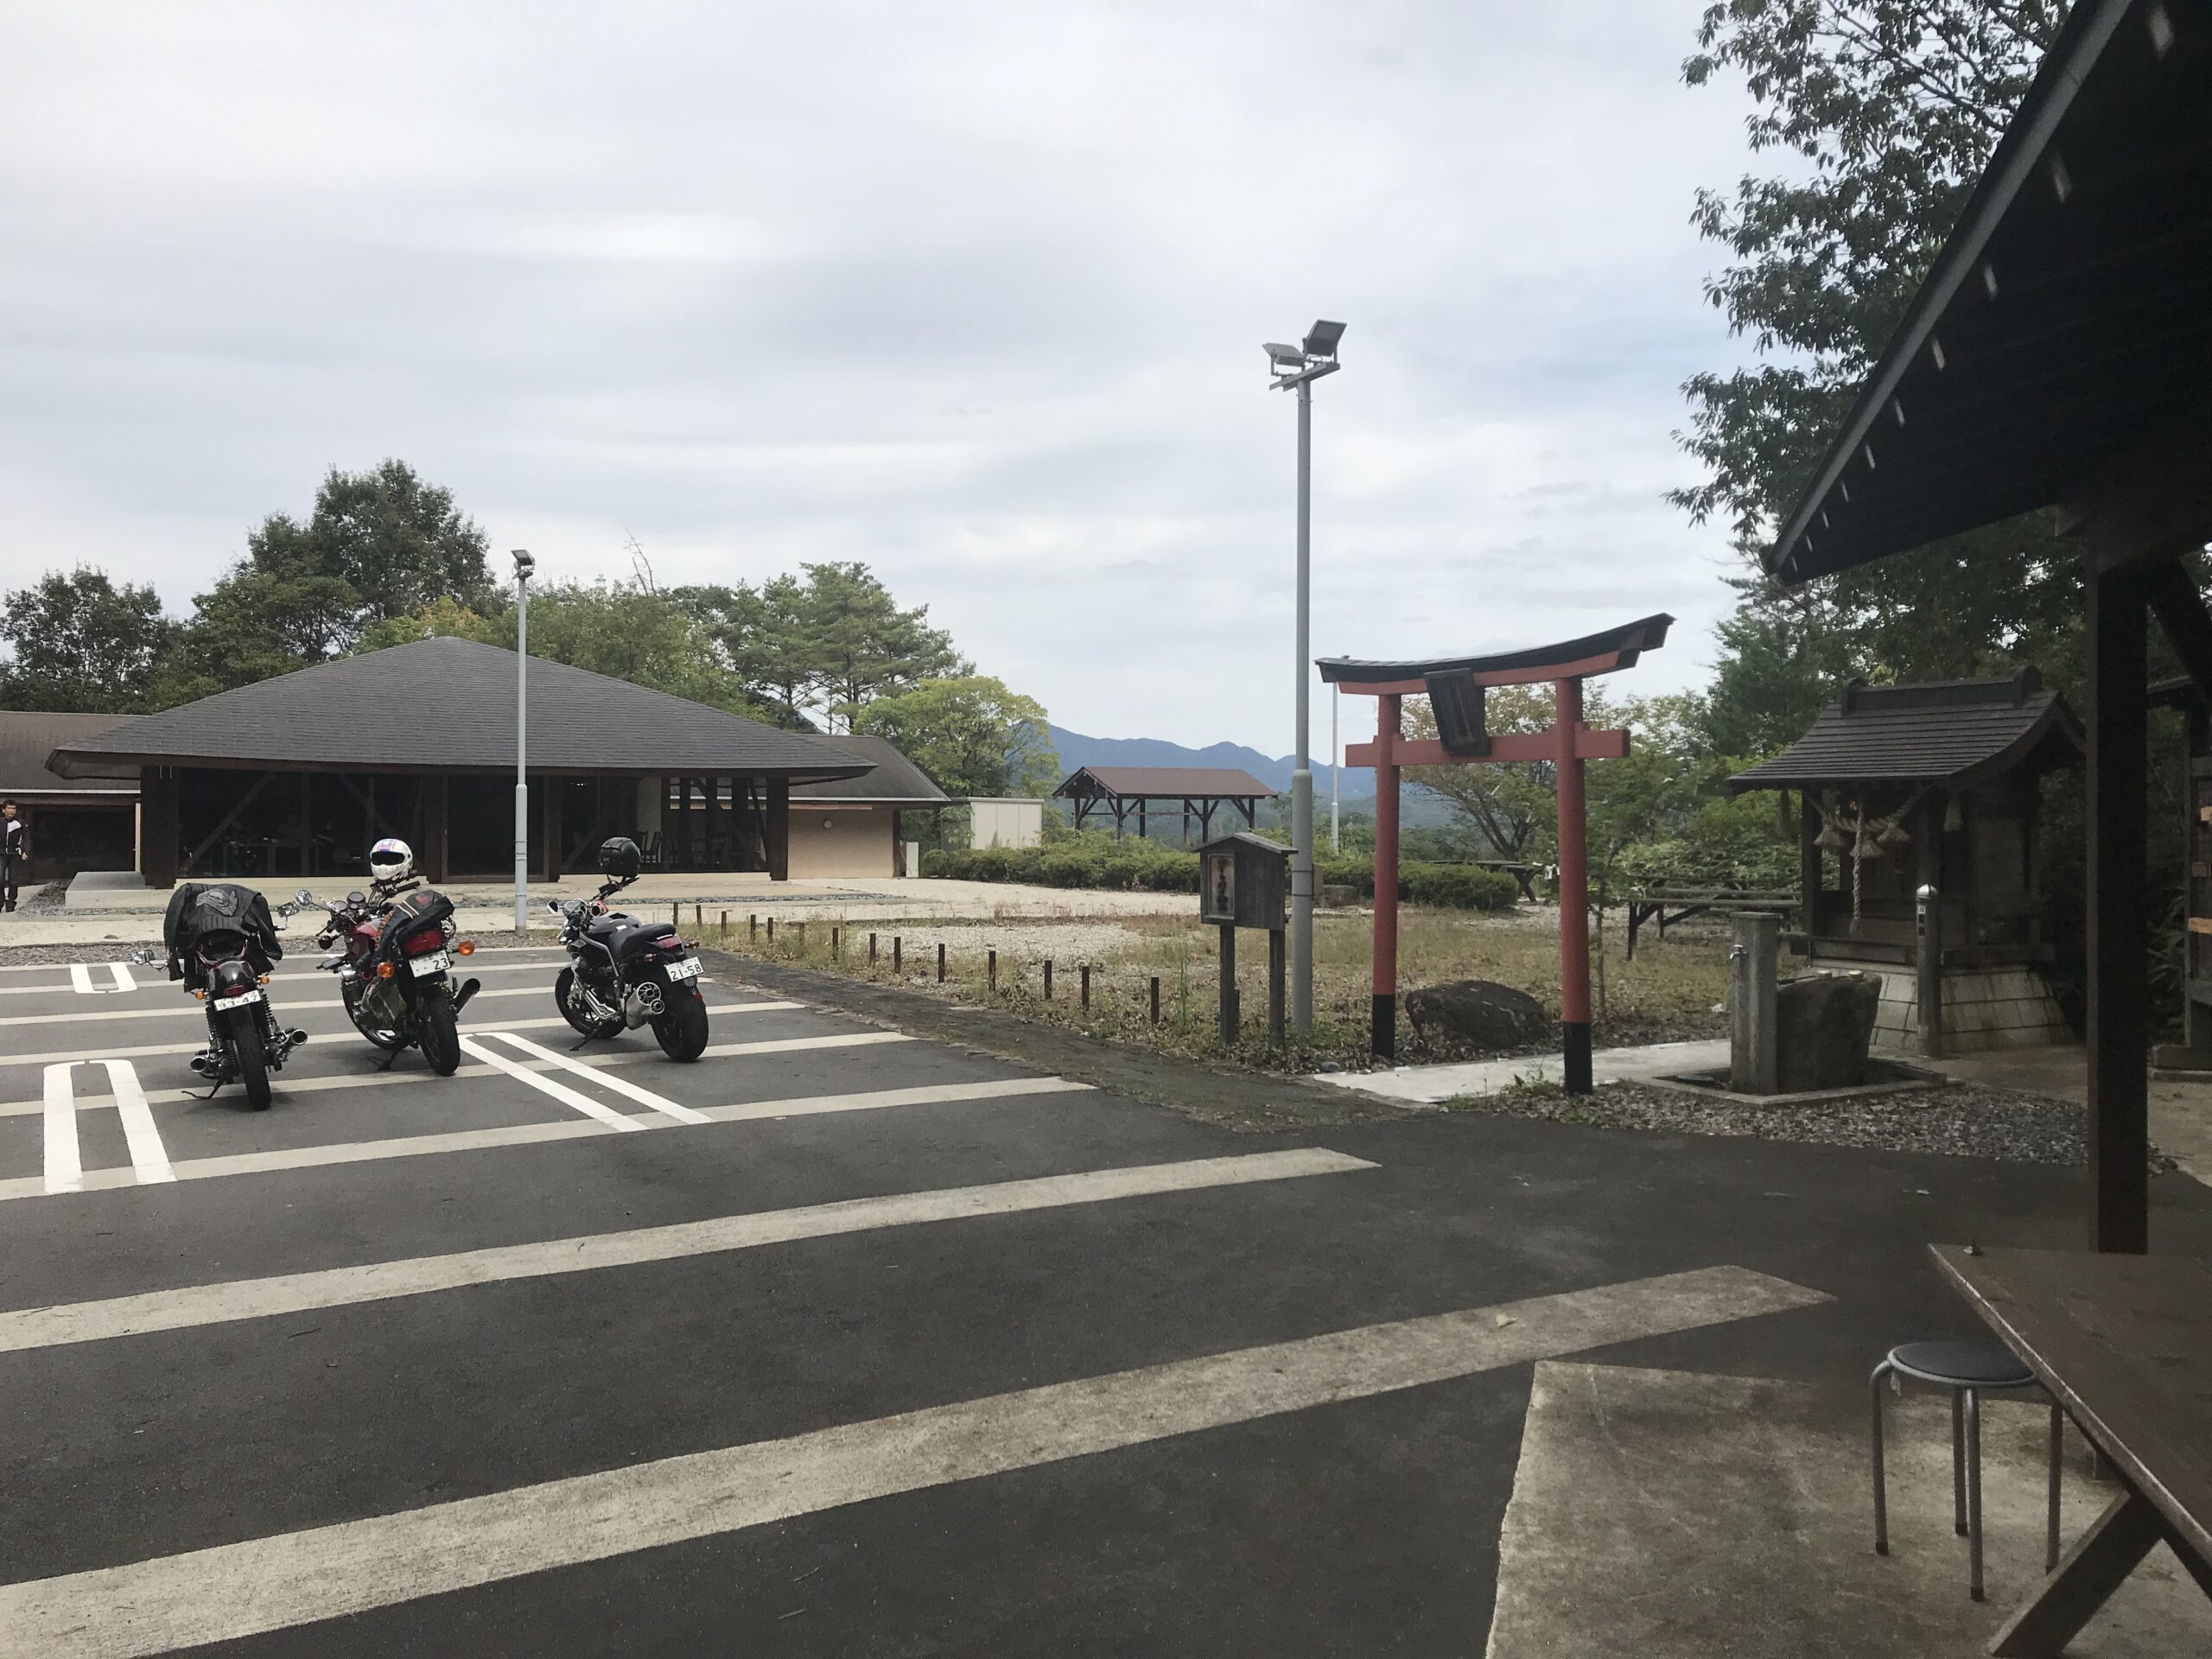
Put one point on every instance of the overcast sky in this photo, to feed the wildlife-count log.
(972, 292)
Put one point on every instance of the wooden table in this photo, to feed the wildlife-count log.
(2124, 1342)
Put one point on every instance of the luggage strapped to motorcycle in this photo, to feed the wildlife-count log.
(197, 909)
(408, 916)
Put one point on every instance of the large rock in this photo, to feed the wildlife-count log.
(1475, 1013)
(1823, 1024)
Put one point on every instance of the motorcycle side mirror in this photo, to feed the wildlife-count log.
(304, 897)
(143, 958)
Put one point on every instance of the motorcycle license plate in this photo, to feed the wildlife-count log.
(688, 969)
(238, 1001)
(437, 962)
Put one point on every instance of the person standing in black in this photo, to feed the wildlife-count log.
(15, 853)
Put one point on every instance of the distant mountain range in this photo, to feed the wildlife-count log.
(1421, 809)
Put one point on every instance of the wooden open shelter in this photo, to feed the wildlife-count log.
(1127, 792)
(2059, 356)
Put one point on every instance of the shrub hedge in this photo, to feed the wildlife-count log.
(1135, 866)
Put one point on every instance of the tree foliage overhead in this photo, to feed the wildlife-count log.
(1879, 116)
(77, 641)
(972, 735)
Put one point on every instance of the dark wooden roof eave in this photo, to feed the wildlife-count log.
(2054, 739)
(119, 766)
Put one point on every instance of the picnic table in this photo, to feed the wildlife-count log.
(1688, 898)
(1524, 873)
(2124, 1343)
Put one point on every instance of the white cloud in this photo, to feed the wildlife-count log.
(971, 292)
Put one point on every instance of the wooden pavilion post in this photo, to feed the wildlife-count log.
(2119, 1104)
(1573, 891)
(1810, 873)
(1385, 1005)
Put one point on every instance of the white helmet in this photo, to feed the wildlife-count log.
(392, 860)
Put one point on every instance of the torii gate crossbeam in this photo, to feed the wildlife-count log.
(1455, 687)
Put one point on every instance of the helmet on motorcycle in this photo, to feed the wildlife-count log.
(619, 856)
(392, 860)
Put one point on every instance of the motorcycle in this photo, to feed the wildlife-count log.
(623, 973)
(221, 941)
(392, 949)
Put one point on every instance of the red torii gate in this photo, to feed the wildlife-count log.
(1455, 688)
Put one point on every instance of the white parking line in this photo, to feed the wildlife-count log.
(230, 1592)
(524, 1135)
(660, 1104)
(601, 1056)
(560, 1091)
(192, 1306)
(81, 977)
(65, 1169)
(186, 1009)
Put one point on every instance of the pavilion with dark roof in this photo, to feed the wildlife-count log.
(298, 775)
(1195, 791)
(1906, 787)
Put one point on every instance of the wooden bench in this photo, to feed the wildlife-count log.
(1669, 901)
(2124, 1345)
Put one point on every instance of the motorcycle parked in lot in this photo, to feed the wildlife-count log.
(623, 973)
(392, 949)
(221, 941)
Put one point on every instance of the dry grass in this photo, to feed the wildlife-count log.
(1669, 992)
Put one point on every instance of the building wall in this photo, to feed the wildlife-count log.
(1005, 823)
(1983, 1008)
(841, 841)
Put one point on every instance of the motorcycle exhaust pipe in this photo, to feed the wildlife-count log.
(642, 1004)
(469, 988)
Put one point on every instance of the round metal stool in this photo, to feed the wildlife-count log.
(1967, 1371)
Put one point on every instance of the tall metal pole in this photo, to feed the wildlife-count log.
(1335, 767)
(1301, 776)
(522, 743)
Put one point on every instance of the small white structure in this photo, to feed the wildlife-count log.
(1005, 820)
(858, 826)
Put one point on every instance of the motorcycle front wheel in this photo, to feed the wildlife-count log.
(563, 988)
(441, 1031)
(251, 1058)
(683, 1027)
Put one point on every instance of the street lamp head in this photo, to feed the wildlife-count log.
(1284, 359)
(524, 565)
(1321, 340)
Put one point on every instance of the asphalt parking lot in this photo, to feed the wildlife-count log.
(837, 1341)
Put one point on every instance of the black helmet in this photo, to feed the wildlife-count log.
(619, 856)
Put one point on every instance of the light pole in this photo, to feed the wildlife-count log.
(1301, 366)
(524, 565)
(1336, 767)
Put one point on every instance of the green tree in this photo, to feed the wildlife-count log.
(863, 645)
(765, 638)
(1508, 803)
(77, 641)
(971, 735)
(1887, 112)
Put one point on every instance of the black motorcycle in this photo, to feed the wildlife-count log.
(623, 973)
(394, 958)
(221, 941)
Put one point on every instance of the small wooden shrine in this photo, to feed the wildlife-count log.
(1933, 787)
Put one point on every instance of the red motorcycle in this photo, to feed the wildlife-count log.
(394, 959)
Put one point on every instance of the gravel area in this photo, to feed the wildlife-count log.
(1964, 1120)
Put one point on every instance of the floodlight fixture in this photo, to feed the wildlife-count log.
(1321, 340)
(1284, 359)
(524, 565)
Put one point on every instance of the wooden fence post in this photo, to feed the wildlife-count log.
(871, 950)
(940, 962)
(1048, 979)
(1083, 974)
(898, 964)
(1155, 999)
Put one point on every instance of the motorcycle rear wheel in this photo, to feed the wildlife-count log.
(246, 1048)
(440, 1033)
(683, 1028)
(563, 987)
(382, 1037)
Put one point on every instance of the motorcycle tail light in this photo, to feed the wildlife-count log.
(386, 971)
(466, 947)
(421, 944)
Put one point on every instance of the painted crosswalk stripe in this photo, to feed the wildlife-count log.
(526, 1134)
(65, 1171)
(298, 1293)
(544, 1085)
(622, 1086)
(80, 978)
(144, 1050)
(234, 1590)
